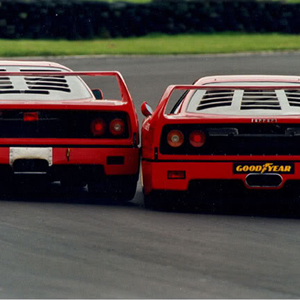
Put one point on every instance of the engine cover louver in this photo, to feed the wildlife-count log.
(293, 97)
(216, 98)
(260, 99)
(46, 83)
(38, 85)
(35, 85)
(5, 82)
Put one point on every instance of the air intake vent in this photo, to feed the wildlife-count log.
(216, 98)
(260, 99)
(293, 97)
(46, 83)
(5, 82)
(39, 70)
(24, 92)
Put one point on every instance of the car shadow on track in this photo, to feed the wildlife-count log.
(56, 193)
(283, 203)
(261, 203)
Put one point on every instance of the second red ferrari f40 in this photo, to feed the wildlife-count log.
(224, 129)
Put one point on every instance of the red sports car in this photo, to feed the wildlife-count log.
(242, 130)
(53, 126)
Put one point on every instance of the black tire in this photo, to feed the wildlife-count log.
(116, 188)
(158, 200)
(69, 184)
(29, 185)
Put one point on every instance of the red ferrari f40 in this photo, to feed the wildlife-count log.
(52, 125)
(242, 130)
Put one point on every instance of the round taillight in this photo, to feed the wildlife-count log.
(117, 127)
(197, 138)
(98, 127)
(175, 138)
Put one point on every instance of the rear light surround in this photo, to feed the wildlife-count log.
(30, 116)
(117, 127)
(98, 127)
(197, 138)
(194, 139)
(235, 139)
(175, 138)
(180, 138)
(44, 123)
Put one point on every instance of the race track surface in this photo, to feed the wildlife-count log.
(57, 244)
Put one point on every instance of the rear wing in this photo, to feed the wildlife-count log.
(125, 95)
(161, 107)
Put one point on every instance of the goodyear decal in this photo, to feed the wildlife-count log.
(261, 168)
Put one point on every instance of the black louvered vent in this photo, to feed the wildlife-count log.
(260, 99)
(46, 83)
(23, 92)
(216, 98)
(293, 97)
(5, 82)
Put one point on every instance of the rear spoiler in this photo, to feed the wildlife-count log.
(126, 97)
(161, 107)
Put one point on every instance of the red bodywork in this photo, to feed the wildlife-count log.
(81, 155)
(176, 171)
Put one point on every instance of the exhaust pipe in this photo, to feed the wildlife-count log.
(265, 180)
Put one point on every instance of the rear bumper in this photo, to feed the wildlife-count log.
(155, 175)
(107, 161)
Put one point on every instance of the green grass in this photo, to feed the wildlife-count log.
(154, 44)
(147, 1)
(131, 1)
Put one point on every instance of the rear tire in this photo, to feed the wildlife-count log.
(158, 200)
(70, 184)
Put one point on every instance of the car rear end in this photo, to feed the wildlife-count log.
(243, 133)
(52, 126)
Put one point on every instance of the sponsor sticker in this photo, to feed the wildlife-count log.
(261, 168)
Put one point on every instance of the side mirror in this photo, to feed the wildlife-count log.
(146, 109)
(98, 94)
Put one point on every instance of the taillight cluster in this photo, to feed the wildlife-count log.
(99, 127)
(175, 138)
(117, 127)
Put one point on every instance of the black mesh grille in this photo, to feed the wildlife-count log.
(237, 139)
(56, 124)
(30, 165)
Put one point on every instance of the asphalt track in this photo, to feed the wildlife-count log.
(57, 244)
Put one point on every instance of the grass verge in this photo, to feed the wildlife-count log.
(131, 1)
(154, 44)
(147, 1)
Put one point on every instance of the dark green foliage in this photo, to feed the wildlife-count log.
(72, 19)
